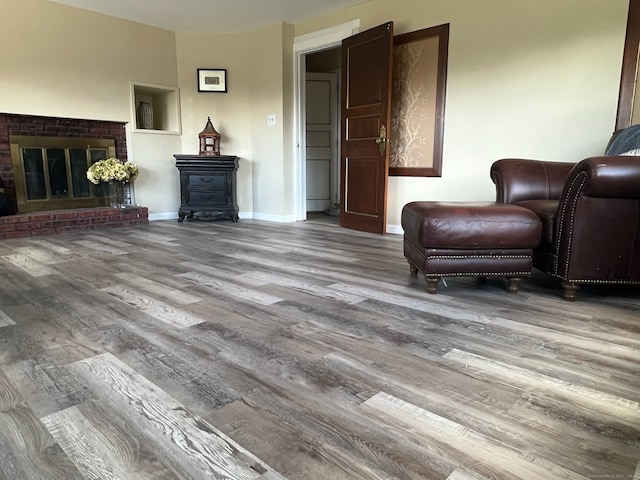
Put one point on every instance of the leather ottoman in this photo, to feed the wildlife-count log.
(473, 239)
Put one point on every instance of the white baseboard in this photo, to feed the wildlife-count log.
(163, 216)
(273, 218)
(395, 229)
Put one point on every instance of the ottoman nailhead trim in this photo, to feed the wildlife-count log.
(478, 274)
(619, 282)
(453, 257)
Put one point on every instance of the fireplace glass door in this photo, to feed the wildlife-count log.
(51, 173)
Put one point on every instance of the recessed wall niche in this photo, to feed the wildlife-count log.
(161, 112)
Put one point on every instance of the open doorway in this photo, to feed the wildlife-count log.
(322, 132)
(321, 50)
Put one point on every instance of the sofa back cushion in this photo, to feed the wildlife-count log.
(518, 180)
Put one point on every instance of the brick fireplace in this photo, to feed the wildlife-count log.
(37, 126)
(47, 222)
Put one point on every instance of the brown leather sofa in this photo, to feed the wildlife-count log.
(590, 213)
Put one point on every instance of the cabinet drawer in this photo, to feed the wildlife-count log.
(207, 197)
(210, 181)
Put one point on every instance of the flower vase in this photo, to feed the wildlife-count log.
(116, 194)
(145, 115)
(128, 194)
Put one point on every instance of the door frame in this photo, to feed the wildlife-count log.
(303, 45)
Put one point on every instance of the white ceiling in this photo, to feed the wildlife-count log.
(211, 15)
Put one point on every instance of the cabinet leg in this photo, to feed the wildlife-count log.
(182, 215)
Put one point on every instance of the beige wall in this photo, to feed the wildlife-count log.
(531, 79)
(231, 112)
(259, 84)
(62, 61)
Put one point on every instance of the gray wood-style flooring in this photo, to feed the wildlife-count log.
(254, 350)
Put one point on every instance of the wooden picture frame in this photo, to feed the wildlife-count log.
(212, 80)
(417, 118)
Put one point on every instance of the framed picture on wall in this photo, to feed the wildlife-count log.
(417, 111)
(212, 80)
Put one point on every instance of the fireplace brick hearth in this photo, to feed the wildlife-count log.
(75, 220)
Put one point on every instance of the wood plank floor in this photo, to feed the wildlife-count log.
(303, 351)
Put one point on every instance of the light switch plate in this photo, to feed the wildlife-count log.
(271, 119)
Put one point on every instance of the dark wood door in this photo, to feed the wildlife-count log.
(366, 113)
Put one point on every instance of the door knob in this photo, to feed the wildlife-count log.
(382, 139)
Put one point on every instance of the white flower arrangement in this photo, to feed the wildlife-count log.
(112, 169)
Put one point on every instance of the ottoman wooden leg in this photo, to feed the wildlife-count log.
(432, 284)
(514, 283)
(570, 291)
(413, 269)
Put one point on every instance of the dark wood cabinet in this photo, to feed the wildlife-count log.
(207, 187)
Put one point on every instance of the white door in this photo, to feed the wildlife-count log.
(322, 141)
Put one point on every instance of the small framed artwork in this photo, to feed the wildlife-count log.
(212, 80)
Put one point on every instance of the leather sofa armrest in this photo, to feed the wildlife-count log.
(610, 176)
(519, 179)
